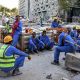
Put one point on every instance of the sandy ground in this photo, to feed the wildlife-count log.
(40, 66)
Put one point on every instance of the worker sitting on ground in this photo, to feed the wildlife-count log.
(55, 24)
(35, 44)
(8, 62)
(45, 39)
(65, 44)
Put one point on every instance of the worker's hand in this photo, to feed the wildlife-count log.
(29, 57)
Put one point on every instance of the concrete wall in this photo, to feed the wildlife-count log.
(38, 8)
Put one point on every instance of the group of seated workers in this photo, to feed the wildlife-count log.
(76, 36)
(65, 44)
(39, 43)
(68, 42)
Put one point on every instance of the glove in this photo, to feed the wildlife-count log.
(29, 57)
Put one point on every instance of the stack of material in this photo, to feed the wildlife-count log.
(24, 41)
(73, 61)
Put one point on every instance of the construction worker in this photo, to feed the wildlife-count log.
(45, 39)
(78, 42)
(55, 23)
(16, 30)
(8, 61)
(65, 44)
(35, 44)
(74, 33)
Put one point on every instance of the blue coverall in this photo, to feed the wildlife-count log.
(78, 42)
(17, 34)
(19, 60)
(45, 39)
(54, 24)
(74, 34)
(35, 44)
(63, 47)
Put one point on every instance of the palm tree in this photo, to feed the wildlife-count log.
(14, 11)
(2, 9)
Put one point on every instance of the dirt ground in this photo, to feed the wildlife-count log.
(40, 66)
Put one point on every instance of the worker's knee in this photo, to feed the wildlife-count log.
(40, 45)
(19, 61)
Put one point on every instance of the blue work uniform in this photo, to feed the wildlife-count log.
(48, 44)
(63, 46)
(17, 34)
(74, 34)
(54, 24)
(35, 44)
(78, 42)
(19, 60)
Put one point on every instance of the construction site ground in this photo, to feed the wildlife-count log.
(40, 66)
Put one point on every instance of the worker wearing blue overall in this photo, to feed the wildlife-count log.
(74, 34)
(55, 24)
(78, 43)
(63, 46)
(8, 61)
(35, 44)
(45, 39)
(16, 30)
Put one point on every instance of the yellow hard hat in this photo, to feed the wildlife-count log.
(54, 18)
(77, 27)
(7, 39)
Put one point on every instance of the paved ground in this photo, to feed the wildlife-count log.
(40, 66)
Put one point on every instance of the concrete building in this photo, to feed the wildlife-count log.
(24, 7)
(36, 9)
(45, 8)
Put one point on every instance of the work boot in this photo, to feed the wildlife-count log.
(16, 72)
(30, 52)
(40, 49)
(55, 63)
(36, 51)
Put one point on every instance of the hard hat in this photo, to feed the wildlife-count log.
(7, 39)
(55, 18)
(77, 27)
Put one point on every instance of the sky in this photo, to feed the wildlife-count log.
(9, 3)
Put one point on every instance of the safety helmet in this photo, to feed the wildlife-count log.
(8, 39)
(53, 18)
(77, 27)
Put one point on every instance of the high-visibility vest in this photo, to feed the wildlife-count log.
(6, 61)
